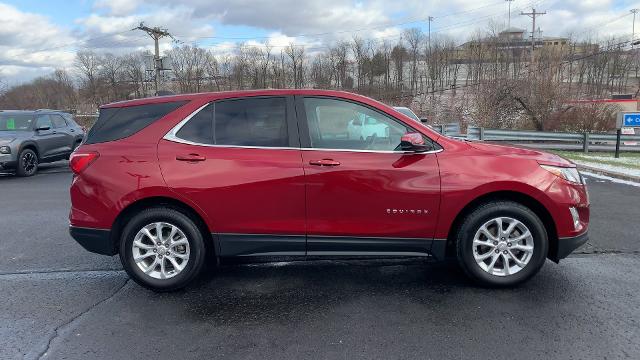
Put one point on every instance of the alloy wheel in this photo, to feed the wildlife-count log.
(503, 246)
(161, 250)
(29, 162)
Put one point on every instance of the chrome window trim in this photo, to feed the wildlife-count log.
(187, 142)
(375, 151)
(171, 136)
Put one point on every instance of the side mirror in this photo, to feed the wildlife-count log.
(43, 128)
(357, 122)
(413, 142)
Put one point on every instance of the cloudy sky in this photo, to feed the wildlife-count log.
(38, 36)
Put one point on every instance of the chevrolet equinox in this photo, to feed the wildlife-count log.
(172, 182)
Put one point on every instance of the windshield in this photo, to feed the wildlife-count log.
(408, 112)
(16, 122)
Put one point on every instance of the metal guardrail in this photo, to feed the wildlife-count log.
(563, 140)
(451, 129)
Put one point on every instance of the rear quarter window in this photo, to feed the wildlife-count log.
(119, 123)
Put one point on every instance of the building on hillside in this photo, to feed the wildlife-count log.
(514, 42)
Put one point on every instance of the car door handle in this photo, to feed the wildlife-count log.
(72, 130)
(324, 162)
(191, 157)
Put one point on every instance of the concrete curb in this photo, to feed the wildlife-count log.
(613, 174)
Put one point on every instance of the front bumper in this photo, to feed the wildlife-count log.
(7, 161)
(568, 244)
(95, 240)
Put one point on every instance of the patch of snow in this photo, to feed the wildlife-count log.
(614, 180)
(607, 167)
(635, 161)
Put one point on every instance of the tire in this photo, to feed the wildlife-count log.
(473, 244)
(27, 163)
(163, 276)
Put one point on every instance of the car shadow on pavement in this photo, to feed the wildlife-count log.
(272, 292)
(379, 307)
(43, 169)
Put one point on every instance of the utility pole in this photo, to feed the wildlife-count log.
(429, 19)
(533, 15)
(509, 15)
(156, 34)
(633, 28)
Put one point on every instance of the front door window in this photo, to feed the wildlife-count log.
(337, 124)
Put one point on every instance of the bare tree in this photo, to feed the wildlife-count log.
(399, 56)
(414, 37)
(112, 71)
(188, 65)
(296, 56)
(338, 56)
(52, 92)
(88, 65)
(134, 72)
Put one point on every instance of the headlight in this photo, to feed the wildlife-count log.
(5, 150)
(570, 174)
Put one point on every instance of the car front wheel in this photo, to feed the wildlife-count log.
(501, 243)
(162, 249)
(27, 163)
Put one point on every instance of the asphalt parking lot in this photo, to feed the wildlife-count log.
(61, 302)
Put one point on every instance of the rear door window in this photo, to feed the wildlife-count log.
(251, 122)
(199, 129)
(258, 122)
(58, 121)
(119, 123)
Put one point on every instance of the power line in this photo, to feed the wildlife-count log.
(439, 30)
(72, 43)
(419, 20)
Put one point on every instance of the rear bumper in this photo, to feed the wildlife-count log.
(95, 240)
(567, 245)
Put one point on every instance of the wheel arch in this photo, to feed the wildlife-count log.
(30, 145)
(160, 201)
(536, 206)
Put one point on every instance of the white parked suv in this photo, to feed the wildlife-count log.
(364, 127)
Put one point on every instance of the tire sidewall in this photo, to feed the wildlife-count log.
(502, 209)
(174, 217)
(20, 168)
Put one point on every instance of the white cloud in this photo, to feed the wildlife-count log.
(106, 27)
(23, 50)
(117, 7)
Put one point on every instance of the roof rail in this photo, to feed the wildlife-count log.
(47, 110)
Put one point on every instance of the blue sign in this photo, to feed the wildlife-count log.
(631, 120)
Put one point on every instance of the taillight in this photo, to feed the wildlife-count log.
(82, 160)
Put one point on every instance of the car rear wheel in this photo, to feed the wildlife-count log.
(27, 163)
(162, 249)
(501, 243)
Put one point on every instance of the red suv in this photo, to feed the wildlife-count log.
(168, 181)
